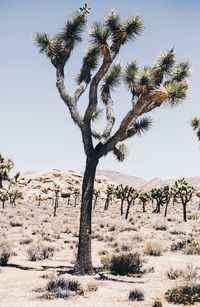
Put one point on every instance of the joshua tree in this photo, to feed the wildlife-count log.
(183, 191)
(121, 193)
(195, 123)
(149, 87)
(144, 197)
(67, 193)
(3, 197)
(96, 194)
(109, 195)
(13, 191)
(132, 194)
(77, 194)
(5, 166)
(162, 196)
(56, 190)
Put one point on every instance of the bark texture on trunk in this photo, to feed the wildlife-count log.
(184, 212)
(84, 259)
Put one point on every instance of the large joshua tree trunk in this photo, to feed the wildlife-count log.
(84, 260)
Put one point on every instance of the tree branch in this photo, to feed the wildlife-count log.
(109, 115)
(69, 101)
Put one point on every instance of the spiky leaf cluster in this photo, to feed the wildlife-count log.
(183, 190)
(195, 123)
(141, 125)
(181, 71)
(121, 152)
(112, 79)
(177, 91)
(59, 46)
(90, 62)
(130, 74)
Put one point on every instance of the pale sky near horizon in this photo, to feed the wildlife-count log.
(36, 129)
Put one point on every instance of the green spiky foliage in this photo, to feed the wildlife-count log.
(130, 74)
(112, 79)
(110, 192)
(132, 195)
(183, 191)
(195, 123)
(3, 197)
(76, 194)
(90, 63)
(59, 47)
(144, 197)
(162, 196)
(5, 167)
(121, 192)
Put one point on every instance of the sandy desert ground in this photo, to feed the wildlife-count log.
(29, 225)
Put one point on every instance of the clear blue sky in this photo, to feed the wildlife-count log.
(36, 130)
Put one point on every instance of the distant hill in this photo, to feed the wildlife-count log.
(140, 183)
(120, 178)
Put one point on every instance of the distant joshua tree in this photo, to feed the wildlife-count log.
(5, 166)
(110, 192)
(149, 87)
(195, 123)
(121, 193)
(183, 190)
(131, 196)
(144, 197)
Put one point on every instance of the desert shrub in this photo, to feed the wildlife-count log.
(193, 216)
(153, 248)
(186, 295)
(92, 287)
(16, 223)
(136, 295)
(25, 241)
(174, 273)
(192, 248)
(124, 264)
(63, 288)
(40, 252)
(160, 225)
(125, 247)
(191, 272)
(157, 303)
(180, 245)
(5, 253)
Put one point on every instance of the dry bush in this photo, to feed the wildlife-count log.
(153, 248)
(5, 253)
(92, 287)
(40, 252)
(191, 272)
(157, 303)
(25, 241)
(63, 288)
(174, 273)
(192, 248)
(125, 263)
(15, 223)
(136, 295)
(160, 225)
